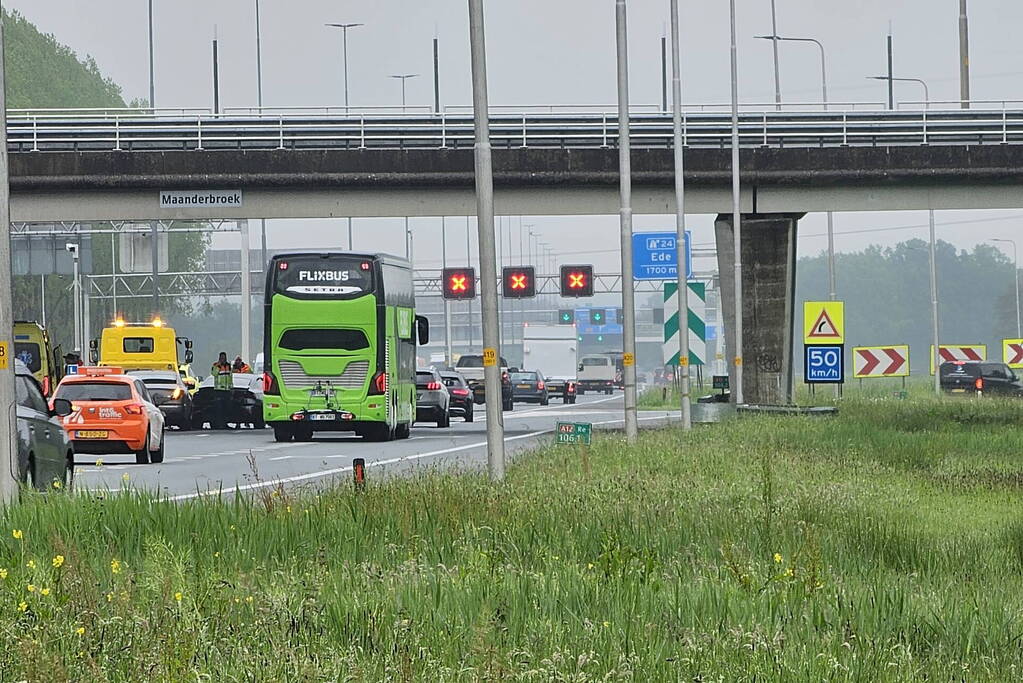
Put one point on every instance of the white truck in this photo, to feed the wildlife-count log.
(597, 372)
(552, 350)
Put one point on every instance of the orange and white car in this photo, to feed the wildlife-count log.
(112, 413)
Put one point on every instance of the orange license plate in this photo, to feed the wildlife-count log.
(91, 434)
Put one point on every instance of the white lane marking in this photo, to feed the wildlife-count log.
(282, 457)
(389, 461)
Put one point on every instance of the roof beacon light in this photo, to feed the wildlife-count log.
(119, 322)
(157, 322)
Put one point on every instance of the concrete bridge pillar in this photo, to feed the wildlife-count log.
(768, 311)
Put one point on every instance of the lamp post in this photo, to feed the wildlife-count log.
(259, 103)
(682, 282)
(824, 73)
(927, 92)
(1015, 269)
(737, 392)
(152, 80)
(403, 78)
(774, 45)
(934, 306)
(344, 53)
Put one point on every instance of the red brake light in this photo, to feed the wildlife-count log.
(979, 384)
(571, 388)
(46, 387)
(364, 265)
(433, 386)
(283, 265)
(133, 409)
(504, 377)
(539, 386)
(460, 392)
(379, 384)
(270, 384)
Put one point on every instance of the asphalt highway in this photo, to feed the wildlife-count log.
(202, 463)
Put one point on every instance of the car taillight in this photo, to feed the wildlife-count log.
(379, 384)
(979, 384)
(505, 377)
(571, 388)
(46, 387)
(539, 386)
(459, 392)
(133, 409)
(433, 386)
(270, 384)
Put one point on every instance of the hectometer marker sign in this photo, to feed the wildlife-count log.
(823, 322)
(574, 432)
(870, 362)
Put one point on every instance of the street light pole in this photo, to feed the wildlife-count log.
(964, 57)
(403, 78)
(344, 54)
(259, 103)
(737, 392)
(934, 308)
(485, 229)
(8, 424)
(152, 64)
(1015, 268)
(774, 45)
(927, 92)
(682, 280)
(625, 182)
(820, 46)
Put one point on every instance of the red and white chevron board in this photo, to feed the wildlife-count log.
(871, 362)
(951, 353)
(1012, 353)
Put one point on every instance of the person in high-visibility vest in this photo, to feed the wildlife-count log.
(241, 366)
(222, 386)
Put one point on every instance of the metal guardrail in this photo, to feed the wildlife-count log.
(59, 131)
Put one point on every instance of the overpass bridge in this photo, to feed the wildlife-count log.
(120, 165)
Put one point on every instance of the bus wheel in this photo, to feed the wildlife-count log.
(378, 432)
(304, 434)
(283, 434)
(403, 431)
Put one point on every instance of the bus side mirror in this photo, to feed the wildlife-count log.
(94, 345)
(189, 357)
(423, 330)
(188, 343)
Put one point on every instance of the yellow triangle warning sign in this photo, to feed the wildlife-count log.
(823, 322)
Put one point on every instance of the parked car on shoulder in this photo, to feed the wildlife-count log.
(432, 398)
(112, 413)
(46, 459)
(245, 407)
(529, 386)
(461, 403)
(983, 378)
(170, 394)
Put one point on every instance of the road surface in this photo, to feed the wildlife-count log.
(198, 463)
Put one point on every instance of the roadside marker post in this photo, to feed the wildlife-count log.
(576, 434)
(359, 473)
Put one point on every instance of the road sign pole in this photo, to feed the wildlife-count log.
(934, 309)
(736, 216)
(8, 483)
(448, 359)
(485, 231)
(680, 218)
(625, 172)
(246, 285)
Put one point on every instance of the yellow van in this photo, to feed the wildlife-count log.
(32, 347)
(140, 346)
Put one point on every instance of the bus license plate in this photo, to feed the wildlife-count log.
(322, 416)
(91, 434)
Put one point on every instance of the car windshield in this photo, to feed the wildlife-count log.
(470, 362)
(95, 391)
(595, 361)
(425, 378)
(451, 380)
(523, 377)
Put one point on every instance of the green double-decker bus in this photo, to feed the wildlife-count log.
(339, 345)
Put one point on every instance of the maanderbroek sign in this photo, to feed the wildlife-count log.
(214, 199)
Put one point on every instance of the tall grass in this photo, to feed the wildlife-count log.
(883, 544)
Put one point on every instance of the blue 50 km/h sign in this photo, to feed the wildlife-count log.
(824, 364)
(654, 256)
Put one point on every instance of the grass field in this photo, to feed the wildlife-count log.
(884, 544)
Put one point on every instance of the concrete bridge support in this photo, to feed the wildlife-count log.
(768, 311)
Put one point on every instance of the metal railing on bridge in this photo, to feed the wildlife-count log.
(187, 129)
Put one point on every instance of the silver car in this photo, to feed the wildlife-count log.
(46, 459)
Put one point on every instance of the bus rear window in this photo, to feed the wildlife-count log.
(345, 340)
(331, 277)
(139, 345)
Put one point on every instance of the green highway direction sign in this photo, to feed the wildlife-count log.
(573, 432)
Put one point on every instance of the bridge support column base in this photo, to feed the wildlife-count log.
(768, 308)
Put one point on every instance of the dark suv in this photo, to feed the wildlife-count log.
(980, 377)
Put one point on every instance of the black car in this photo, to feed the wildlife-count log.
(170, 394)
(461, 403)
(245, 406)
(980, 378)
(432, 399)
(529, 386)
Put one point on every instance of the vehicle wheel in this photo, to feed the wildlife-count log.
(378, 432)
(283, 434)
(545, 401)
(69, 471)
(197, 423)
(508, 406)
(445, 421)
(30, 472)
(142, 455)
(304, 434)
(185, 424)
(580, 391)
(156, 457)
(403, 431)
(469, 416)
(571, 401)
(260, 423)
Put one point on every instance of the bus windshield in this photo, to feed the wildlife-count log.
(331, 276)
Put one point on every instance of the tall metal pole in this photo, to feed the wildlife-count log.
(625, 175)
(774, 45)
(42, 298)
(351, 246)
(436, 75)
(485, 230)
(934, 309)
(736, 215)
(891, 75)
(680, 217)
(832, 287)
(448, 355)
(964, 56)
(152, 64)
(216, 79)
(154, 238)
(77, 291)
(246, 283)
(259, 103)
(468, 262)
(664, 74)
(8, 425)
(344, 54)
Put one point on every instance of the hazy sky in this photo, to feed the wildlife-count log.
(551, 51)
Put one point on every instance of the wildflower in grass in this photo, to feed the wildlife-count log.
(231, 527)
(31, 564)
(125, 476)
(790, 571)
(17, 534)
(22, 606)
(56, 484)
(249, 599)
(58, 561)
(216, 554)
(777, 558)
(80, 631)
(45, 591)
(110, 597)
(31, 588)
(607, 624)
(115, 566)
(178, 596)
(3, 574)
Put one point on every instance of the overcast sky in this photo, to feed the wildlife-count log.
(551, 51)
